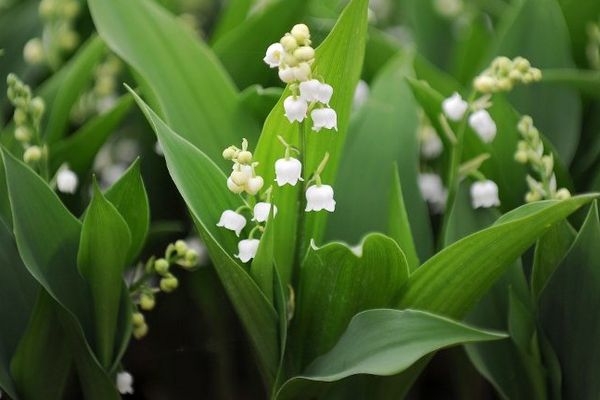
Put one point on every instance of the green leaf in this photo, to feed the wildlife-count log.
(585, 81)
(465, 270)
(399, 225)
(261, 268)
(550, 250)
(103, 251)
(233, 14)
(338, 61)
(254, 35)
(129, 197)
(47, 237)
(382, 133)
(79, 149)
(559, 114)
(203, 187)
(382, 342)
(76, 78)
(42, 363)
(195, 95)
(566, 304)
(338, 282)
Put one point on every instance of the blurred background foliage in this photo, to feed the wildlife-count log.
(196, 347)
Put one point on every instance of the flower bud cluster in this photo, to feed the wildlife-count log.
(504, 73)
(103, 95)
(294, 57)
(243, 176)
(27, 117)
(530, 151)
(178, 253)
(592, 48)
(59, 35)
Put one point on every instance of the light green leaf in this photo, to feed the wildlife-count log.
(77, 75)
(566, 304)
(203, 187)
(383, 132)
(465, 270)
(129, 197)
(399, 224)
(338, 62)
(103, 251)
(195, 95)
(79, 149)
(261, 268)
(338, 282)
(382, 342)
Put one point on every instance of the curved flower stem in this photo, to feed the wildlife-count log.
(453, 174)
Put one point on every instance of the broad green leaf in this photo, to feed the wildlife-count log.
(129, 197)
(567, 304)
(232, 15)
(399, 224)
(103, 251)
(338, 61)
(18, 292)
(382, 342)
(465, 270)
(47, 237)
(42, 363)
(525, 30)
(195, 95)
(338, 281)
(383, 132)
(78, 74)
(241, 50)
(550, 250)
(259, 101)
(79, 149)
(261, 268)
(203, 187)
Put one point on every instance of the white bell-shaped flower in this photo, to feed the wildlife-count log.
(247, 249)
(254, 185)
(287, 75)
(295, 108)
(483, 124)
(324, 118)
(288, 171)
(454, 107)
(431, 144)
(232, 221)
(320, 197)
(484, 194)
(309, 90)
(274, 55)
(324, 93)
(125, 382)
(361, 94)
(232, 186)
(66, 180)
(261, 211)
(433, 191)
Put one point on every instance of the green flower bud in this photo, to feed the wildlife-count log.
(137, 319)
(47, 8)
(181, 248)
(289, 43)
(169, 283)
(505, 84)
(23, 134)
(70, 9)
(37, 107)
(147, 301)
(304, 53)
(230, 153)
(68, 39)
(521, 64)
(191, 259)
(33, 52)
(301, 33)
(140, 331)
(536, 74)
(240, 178)
(32, 154)
(530, 197)
(244, 157)
(161, 266)
(20, 116)
(521, 157)
(562, 194)
(290, 60)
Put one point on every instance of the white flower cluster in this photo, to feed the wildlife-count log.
(480, 120)
(294, 56)
(243, 177)
(530, 150)
(59, 34)
(504, 73)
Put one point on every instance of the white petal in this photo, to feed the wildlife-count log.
(320, 198)
(483, 124)
(125, 382)
(361, 94)
(454, 107)
(288, 171)
(66, 180)
(309, 90)
(325, 92)
(232, 221)
(287, 75)
(324, 118)
(254, 185)
(261, 211)
(295, 108)
(247, 249)
(484, 194)
(274, 55)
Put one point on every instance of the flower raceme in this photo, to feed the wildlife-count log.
(294, 56)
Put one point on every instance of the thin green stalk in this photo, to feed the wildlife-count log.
(454, 174)
(301, 224)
